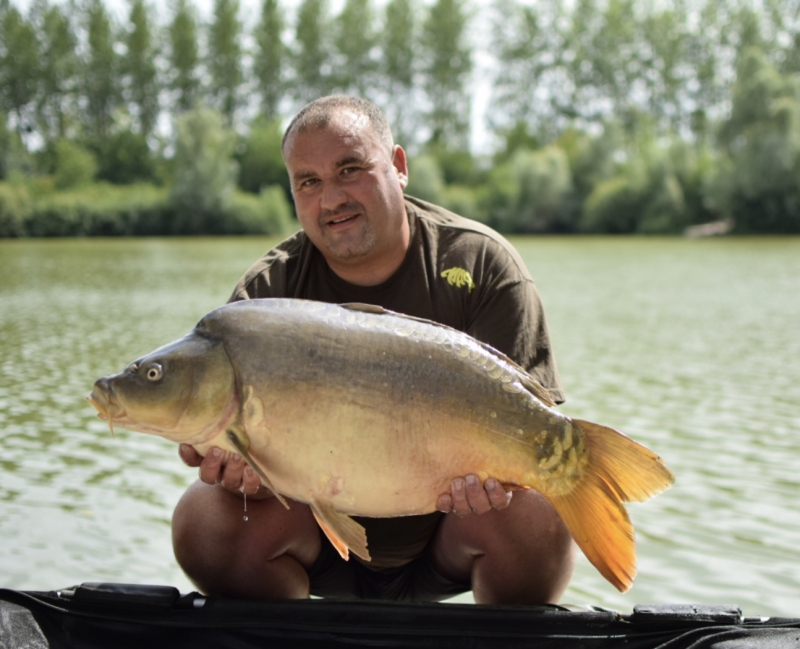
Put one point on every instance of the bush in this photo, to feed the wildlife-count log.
(14, 206)
(75, 165)
(100, 209)
(267, 213)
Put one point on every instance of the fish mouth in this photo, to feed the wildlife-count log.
(101, 398)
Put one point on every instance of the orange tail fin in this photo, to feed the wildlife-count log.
(619, 470)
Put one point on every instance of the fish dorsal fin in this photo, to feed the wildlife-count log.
(530, 384)
(241, 447)
(342, 531)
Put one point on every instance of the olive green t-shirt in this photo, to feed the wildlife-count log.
(457, 272)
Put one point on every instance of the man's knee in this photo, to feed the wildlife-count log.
(523, 554)
(225, 551)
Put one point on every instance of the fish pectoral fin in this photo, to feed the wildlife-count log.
(241, 447)
(342, 531)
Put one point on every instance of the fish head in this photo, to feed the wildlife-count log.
(183, 391)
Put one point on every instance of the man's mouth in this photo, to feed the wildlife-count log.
(342, 219)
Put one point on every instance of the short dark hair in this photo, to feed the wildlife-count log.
(321, 112)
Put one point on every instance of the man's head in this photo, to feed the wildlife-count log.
(347, 180)
(320, 112)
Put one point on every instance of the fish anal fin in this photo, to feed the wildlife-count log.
(241, 447)
(342, 531)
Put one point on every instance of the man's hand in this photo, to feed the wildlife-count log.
(235, 475)
(468, 496)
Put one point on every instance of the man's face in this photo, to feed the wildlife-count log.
(348, 191)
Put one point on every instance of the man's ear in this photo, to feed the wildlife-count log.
(400, 164)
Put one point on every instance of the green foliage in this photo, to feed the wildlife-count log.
(124, 158)
(99, 72)
(74, 165)
(270, 60)
(527, 193)
(139, 67)
(224, 58)
(355, 40)
(425, 179)
(645, 197)
(205, 172)
(446, 61)
(759, 183)
(310, 57)
(266, 213)
(15, 204)
(184, 57)
(19, 64)
(260, 160)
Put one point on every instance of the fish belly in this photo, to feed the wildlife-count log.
(368, 458)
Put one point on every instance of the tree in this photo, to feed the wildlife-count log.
(225, 58)
(19, 67)
(100, 70)
(355, 42)
(526, 43)
(312, 68)
(204, 170)
(184, 56)
(446, 65)
(58, 67)
(139, 67)
(270, 59)
(397, 78)
(759, 181)
(260, 162)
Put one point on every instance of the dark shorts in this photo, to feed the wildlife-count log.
(416, 580)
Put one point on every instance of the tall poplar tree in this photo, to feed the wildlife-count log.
(398, 71)
(270, 57)
(355, 43)
(19, 66)
(446, 66)
(311, 56)
(139, 66)
(58, 62)
(184, 57)
(225, 58)
(100, 69)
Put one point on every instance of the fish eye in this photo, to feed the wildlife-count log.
(154, 372)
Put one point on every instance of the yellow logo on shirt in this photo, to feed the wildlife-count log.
(458, 277)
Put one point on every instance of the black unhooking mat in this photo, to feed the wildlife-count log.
(120, 616)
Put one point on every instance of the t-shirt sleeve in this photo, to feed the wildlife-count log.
(508, 315)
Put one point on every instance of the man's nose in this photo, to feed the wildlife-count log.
(333, 195)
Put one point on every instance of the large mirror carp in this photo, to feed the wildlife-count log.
(360, 411)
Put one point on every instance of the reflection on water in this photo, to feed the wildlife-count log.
(688, 346)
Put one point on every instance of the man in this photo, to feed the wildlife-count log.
(362, 240)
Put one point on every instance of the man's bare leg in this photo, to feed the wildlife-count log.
(523, 554)
(265, 557)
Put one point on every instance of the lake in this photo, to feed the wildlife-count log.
(689, 346)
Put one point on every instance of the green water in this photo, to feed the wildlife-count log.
(691, 347)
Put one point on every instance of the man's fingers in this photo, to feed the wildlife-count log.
(498, 496)
(211, 467)
(233, 473)
(477, 497)
(189, 456)
(458, 493)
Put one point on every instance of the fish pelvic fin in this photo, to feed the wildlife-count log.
(241, 447)
(618, 470)
(342, 531)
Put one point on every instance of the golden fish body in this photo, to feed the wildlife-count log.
(359, 411)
